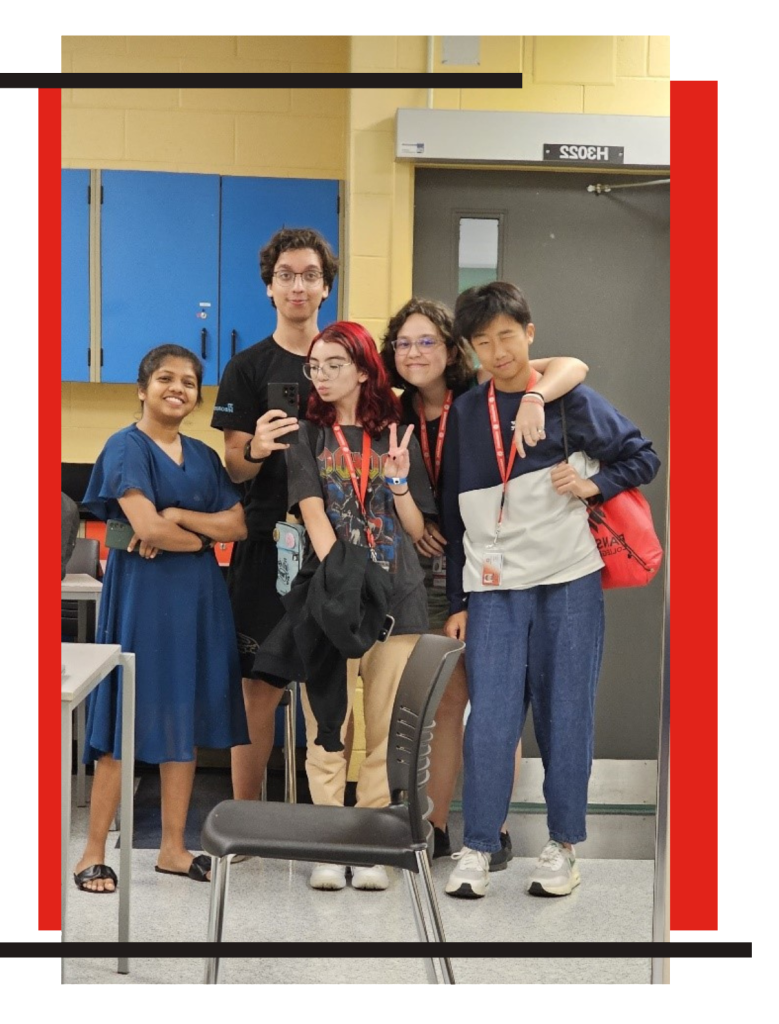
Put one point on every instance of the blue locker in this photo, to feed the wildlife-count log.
(75, 275)
(160, 268)
(253, 209)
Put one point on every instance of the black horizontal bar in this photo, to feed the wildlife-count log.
(265, 950)
(303, 80)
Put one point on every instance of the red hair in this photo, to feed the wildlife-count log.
(377, 406)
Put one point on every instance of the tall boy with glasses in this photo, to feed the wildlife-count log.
(298, 268)
(523, 582)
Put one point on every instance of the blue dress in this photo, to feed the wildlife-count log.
(173, 611)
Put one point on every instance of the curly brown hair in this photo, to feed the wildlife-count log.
(298, 238)
(459, 373)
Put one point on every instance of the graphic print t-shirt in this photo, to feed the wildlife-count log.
(317, 469)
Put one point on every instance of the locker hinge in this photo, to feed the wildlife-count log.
(101, 357)
(89, 357)
(338, 205)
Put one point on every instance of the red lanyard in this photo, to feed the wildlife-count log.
(434, 468)
(361, 488)
(497, 440)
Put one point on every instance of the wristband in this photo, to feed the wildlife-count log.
(396, 480)
(401, 494)
(205, 543)
(536, 394)
(247, 453)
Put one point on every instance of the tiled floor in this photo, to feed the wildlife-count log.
(270, 901)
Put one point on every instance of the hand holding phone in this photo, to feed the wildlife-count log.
(118, 534)
(286, 398)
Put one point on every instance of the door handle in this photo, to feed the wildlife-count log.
(203, 344)
(233, 339)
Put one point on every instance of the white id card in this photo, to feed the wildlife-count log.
(439, 572)
(492, 568)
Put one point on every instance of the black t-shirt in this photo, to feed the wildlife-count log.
(408, 402)
(241, 400)
(317, 470)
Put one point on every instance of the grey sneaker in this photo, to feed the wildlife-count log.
(471, 877)
(556, 873)
(500, 859)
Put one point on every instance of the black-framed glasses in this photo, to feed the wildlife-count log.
(327, 371)
(425, 344)
(287, 277)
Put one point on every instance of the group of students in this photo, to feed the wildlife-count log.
(460, 491)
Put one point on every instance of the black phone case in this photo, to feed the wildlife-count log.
(287, 398)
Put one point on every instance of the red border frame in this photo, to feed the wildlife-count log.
(694, 505)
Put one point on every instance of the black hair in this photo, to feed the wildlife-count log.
(153, 360)
(478, 306)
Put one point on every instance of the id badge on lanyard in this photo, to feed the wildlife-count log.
(439, 572)
(492, 557)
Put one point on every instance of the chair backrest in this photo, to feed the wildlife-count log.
(86, 557)
(422, 684)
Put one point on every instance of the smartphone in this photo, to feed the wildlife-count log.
(287, 398)
(386, 629)
(118, 534)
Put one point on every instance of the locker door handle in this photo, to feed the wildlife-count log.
(203, 344)
(233, 339)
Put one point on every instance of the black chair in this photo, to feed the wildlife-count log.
(78, 617)
(78, 626)
(396, 836)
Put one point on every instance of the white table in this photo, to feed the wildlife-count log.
(79, 586)
(85, 665)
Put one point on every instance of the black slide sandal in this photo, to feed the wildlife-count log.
(92, 874)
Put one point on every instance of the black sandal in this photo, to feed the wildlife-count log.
(197, 871)
(93, 874)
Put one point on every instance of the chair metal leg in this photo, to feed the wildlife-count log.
(220, 869)
(81, 768)
(290, 765)
(419, 921)
(433, 912)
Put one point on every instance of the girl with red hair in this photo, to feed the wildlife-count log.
(355, 481)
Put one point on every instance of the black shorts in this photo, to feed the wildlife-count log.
(257, 607)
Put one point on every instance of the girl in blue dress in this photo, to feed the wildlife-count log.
(164, 599)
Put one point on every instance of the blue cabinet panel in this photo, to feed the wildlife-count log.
(75, 275)
(253, 209)
(160, 268)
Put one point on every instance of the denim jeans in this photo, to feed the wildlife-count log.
(542, 647)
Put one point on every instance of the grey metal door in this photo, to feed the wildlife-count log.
(595, 270)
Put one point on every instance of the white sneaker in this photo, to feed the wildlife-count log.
(556, 873)
(328, 876)
(471, 877)
(370, 878)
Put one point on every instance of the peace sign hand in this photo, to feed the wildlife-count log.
(398, 460)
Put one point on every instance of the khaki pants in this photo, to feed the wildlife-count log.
(380, 669)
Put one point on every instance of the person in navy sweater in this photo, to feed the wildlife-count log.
(523, 583)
